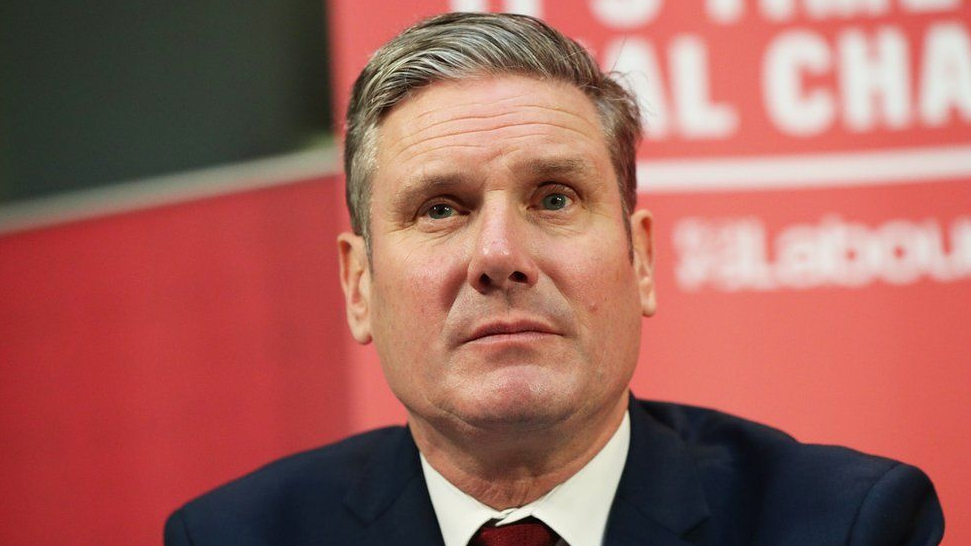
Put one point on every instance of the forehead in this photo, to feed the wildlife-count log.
(482, 121)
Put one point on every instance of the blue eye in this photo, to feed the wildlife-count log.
(555, 201)
(440, 211)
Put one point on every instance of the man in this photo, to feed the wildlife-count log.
(500, 268)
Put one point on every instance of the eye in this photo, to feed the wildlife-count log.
(555, 201)
(440, 211)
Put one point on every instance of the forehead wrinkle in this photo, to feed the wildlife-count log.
(497, 116)
(422, 146)
(475, 105)
(416, 134)
(465, 104)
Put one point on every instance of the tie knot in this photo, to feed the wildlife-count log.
(527, 532)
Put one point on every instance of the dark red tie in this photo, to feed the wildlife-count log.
(527, 532)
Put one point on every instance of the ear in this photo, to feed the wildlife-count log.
(356, 282)
(642, 241)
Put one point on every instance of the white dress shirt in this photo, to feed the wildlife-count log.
(576, 509)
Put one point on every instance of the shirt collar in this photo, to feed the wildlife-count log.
(576, 509)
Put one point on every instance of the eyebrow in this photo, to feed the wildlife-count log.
(553, 167)
(419, 188)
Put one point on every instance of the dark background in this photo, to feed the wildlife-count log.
(93, 93)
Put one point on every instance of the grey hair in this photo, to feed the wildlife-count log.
(456, 46)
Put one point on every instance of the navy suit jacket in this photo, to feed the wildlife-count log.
(693, 477)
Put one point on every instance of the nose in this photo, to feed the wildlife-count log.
(502, 258)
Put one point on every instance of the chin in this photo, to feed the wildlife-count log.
(520, 403)
(518, 419)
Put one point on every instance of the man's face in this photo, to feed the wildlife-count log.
(501, 290)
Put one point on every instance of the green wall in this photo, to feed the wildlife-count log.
(98, 92)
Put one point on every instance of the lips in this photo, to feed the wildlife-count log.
(503, 328)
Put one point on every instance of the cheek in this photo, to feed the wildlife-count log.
(413, 292)
(599, 280)
(599, 283)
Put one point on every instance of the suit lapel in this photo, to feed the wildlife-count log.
(391, 497)
(659, 500)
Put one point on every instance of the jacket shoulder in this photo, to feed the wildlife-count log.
(764, 481)
(305, 487)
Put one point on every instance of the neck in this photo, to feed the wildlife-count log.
(510, 468)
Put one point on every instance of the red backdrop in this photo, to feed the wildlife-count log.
(149, 356)
(808, 167)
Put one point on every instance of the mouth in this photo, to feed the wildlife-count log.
(511, 330)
